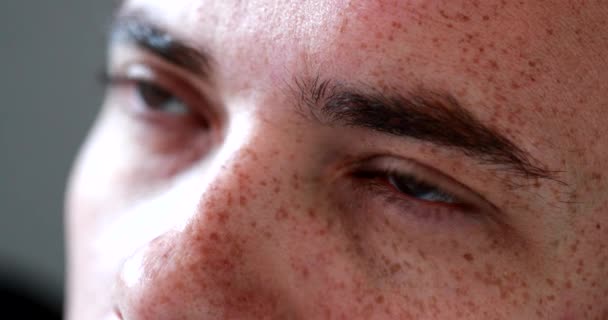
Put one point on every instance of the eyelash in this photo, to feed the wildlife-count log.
(385, 177)
(134, 100)
(375, 180)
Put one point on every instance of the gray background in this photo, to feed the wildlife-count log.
(50, 52)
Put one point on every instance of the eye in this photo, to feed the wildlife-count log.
(408, 186)
(414, 183)
(155, 98)
(420, 190)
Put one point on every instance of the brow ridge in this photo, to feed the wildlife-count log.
(424, 115)
(136, 28)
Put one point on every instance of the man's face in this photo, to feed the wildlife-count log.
(347, 160)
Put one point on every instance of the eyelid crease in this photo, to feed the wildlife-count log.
(138, 29)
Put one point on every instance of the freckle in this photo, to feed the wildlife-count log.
(574, 247)
(243, 200)
(312, 213)
(281, 214)
(395, 268)
(485, 18)
(469, 257)
(213, 236)
(379, 299)
(363, 46)
(229, 198)
(223, 217)
(550, 32)
(422, 254)
(598, 226)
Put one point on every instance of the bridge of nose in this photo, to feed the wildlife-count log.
(243, 245)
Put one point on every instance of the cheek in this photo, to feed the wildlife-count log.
(581, 285)
(353, 265)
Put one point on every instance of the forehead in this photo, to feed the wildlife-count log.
(513, 60)
(441, 33)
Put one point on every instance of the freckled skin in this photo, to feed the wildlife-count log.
(260, 224)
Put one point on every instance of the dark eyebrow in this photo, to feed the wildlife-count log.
(135, 28)
(424, 115)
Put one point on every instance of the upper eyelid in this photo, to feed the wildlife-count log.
(140, 72)
(122, 55)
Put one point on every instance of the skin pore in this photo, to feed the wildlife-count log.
(346, 160)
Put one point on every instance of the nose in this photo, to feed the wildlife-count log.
(216, 264)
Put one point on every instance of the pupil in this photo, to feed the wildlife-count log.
(153, 96)
(410, 186)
